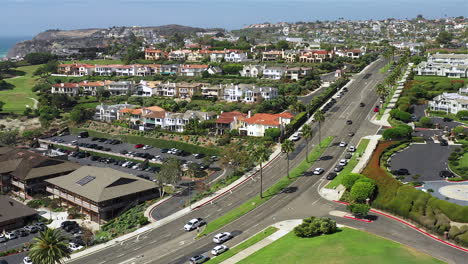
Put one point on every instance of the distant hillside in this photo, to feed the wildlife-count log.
(61, 41)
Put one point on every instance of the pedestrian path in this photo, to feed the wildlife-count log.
(284, 228)
(374, 140)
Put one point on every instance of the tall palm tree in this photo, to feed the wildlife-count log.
(381, 90)
(260, 156)
(307, 134)
(319, 117)
(50, 247)
(287, 147)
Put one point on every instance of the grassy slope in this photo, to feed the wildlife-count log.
(351, 164)
(347, 246)
(269, 193)
(460, 169)
(248, 243)
(17, 98)
(102, 62)
(437, 78)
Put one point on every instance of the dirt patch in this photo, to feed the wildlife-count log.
(20, 124)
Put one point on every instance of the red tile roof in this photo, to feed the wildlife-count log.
(131, 111)
(228, 117)
(154, 50)
(194, 66)
(267, 119)
(67, 85)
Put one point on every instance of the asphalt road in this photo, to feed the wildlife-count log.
(170, 244)
(426, 160)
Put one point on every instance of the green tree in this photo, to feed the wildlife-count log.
(261, 155)
(425, 121)
(349, 180)
(463, 114)
(80, 114)
(359, 210)
(170, 173)
(8, 137)
(287, 147)
(307, 133)
(361, 191)
(49, 247)
(444, 38)
(319, 117)
(39, 58)
(381, 90)
(282, 45)
(232, 68)
(5, 86)
(47, 114)
(1, 105)
(272, 133)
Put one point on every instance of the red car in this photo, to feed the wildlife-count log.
(137, 146)
(376, 109)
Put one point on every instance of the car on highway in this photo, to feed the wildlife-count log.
(446, 174)
(295, 137)
(137, 146)
(218, 250)
(74, 247)
(331, 176)
(351, 134)
(352, 149)
(199, 259)
(193, 224)
(10, 235)
(338, 168)
(222, 237)
(343, 144)
(348, 156)
(361, 104)
(349, 122)
(343, 162)
(318, 171)
(27, 260)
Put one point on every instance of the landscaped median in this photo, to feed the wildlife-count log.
(270, 192)
(351, 164)
(244, 245)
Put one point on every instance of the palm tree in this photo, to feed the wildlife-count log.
(297, 107)
(287, 147)
(319, 117)
(50, 247)
(381, 90)
(260, 156)
(307, 134)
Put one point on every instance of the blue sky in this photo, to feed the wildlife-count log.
(29, 17)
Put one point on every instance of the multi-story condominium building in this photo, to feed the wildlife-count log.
(290, 56)
(105, 70)
(120, 87)
(91, 88)
(257, 125)
(125, 70)
(177, 121)
(273, 73)
(228, 121)
(109, 113)
(449, 102)
(178, 55)
(169, 69)
(217, 55)
(252, 71)
(147, 69)
(235, 56)
(197, 55)
(248, 93)
(315, 56)
(452, 59)
(167, 89)
(153, 54)
(297, 73)
(354, 53)
(101, 193)
(193, 69)
(76, 69)
(214, 91)
(188, 90)
(272, 55)
(24, 172)
(449, 65)
(147, 88)
(71, 89)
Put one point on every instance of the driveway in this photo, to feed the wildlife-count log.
(454, 192)
(426, 160)
(418, 111)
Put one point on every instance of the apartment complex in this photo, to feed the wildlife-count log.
(448, 65)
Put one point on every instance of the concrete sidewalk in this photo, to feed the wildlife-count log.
(374, 140)
(284, 228)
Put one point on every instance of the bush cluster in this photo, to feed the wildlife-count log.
(312, 226)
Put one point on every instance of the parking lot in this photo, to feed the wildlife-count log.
(153, 154)
(426, 160)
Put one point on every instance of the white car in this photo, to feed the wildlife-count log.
(295, 137)
(318, 171)
(343, 144)
(147, 147)
(218, 250)
(343, 162)
(10, 235)
(27, 260)
(126, 163)
(136, 166)
(193, 224)
(74, 247)
(352, 149)
(222, 237)
(2, 238)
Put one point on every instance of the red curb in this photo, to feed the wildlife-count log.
(414, 227)
(345, 203)
(447, 180)
(354, 218)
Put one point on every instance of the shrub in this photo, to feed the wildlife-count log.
(400, 115)
(425, 121)
(312, 226)
(361, 191)
(34, 204)
(349, 180)
(359, 210)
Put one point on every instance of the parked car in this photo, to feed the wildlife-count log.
(401, 171)
(343, 144)
(376, 109)
(331, 176)
(443, 142)
(94, 158)
(343, 162)
(74, 247)
(318, 171)
(199, 259)
(137, 146)
(218, 250)
(40, 226)
(3, 238)
(338, 168)
(27, 260)
(446, 174)
(362, 104)
(351, 134)
(164, 150)
(349, 122)
(10, 235)
(68, 223)
(348, 156)
(83, 134)
(193, 224)
(447, 119)
(31, 229)
(352, 149)
(21, 232)
(222, 237)
(147, 147)
(295, 137)
(198, 156)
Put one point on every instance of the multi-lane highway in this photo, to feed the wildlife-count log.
(170, 244)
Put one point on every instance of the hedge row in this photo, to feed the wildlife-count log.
(155, 142)
(410, 203)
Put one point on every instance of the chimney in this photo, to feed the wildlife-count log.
(249, 114)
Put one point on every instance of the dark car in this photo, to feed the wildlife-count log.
(349, 122)
(110, 160)
(401, 172)
(106, 149)
(164, 150)
(94, 158)
(123, 152)
(41, 226)
(68, 223)
(348, 155)
(362, 104)
(83, 134)
(331, 176)
(93, 146)
(351, 134)
(81, 155)
(99, 147)
(446, 174)
(21, 232)
(443, 142)
(338, 168)
(102, 140)
(94, 139)
(447, 119)
(74, 154)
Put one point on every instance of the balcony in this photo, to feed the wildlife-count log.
(17, 184)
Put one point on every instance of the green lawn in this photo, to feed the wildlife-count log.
(351, 164)
(348, 246)
(424, 78)
(385, 68)
(17, 98)
(462, 165)
(248, 243)
(103, 62)
(270, 192)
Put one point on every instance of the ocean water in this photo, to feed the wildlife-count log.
(7, 42)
